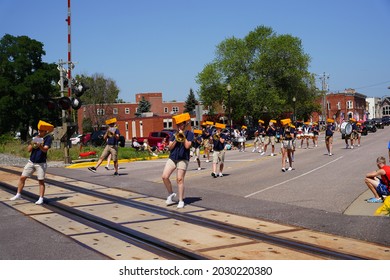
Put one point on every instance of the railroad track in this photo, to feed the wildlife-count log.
(125, 225)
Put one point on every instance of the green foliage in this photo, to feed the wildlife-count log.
(143, 106)
(190, 103)
(14, 147)
(87, 125)
(102, 92)
(25, 84)
(265, 71)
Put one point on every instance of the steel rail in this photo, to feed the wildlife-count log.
(126, 234)
(205, 222)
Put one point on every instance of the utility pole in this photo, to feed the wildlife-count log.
(324, 78)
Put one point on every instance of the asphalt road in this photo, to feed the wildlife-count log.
(314, 195)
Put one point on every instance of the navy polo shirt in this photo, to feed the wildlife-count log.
(179, 152)
(38, 156)
(112, 141)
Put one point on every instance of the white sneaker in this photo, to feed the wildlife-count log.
(169, 200)
(207, 160)
(180, 204)
(272, 155)
(220, 174)
(262, 153)
(289, 169)
(17, 196)
(284, 169)
(199, 168)
(39, 201)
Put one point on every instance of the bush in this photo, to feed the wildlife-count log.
(17, 148)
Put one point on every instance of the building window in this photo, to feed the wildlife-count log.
(328, 105)
(386, 110)
(350, 104)
(100, 112)
(338, 106)
(175, 109)
(127, 111)
(166, 110)
(167, 123)
(115, 111)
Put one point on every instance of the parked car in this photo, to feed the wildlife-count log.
(378, 122)
(386, 120)
(155, 137)
(97, 138)
(370, 125)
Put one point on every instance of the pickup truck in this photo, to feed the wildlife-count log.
(154, 138)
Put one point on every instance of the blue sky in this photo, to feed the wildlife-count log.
(161, 46)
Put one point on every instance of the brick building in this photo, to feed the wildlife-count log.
(128, 123)
(344, 105)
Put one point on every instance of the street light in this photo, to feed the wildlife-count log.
(294, 100)
(229, 89)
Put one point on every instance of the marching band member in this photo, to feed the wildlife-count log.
(243, 135)
(38, 155)
(206, 140)
(287, 138)
(316, 133)
(270, 138)
(330, 128)
(179, 156)
(219, 150)
(354, 134)
(307, 133)
(112, 138)
(351, 136)
(196, 144)
(358, 132)
(259, 138)
(293, 132)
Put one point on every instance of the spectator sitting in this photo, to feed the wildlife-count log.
(146, 147)
(162, 147)
(137, 146)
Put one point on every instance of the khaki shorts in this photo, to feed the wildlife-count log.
(219, 156)
(31, 167)
(269, 139)
(113, 150)
(180, 164)
(287, 144)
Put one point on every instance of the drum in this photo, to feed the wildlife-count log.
(240, 139)
(346, 128)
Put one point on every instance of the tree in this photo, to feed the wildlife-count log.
(26, 83)
(143, 106)
(265, 71)
(102, 92)
(191, 102)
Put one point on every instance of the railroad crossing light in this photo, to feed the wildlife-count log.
(79, 88)
(63, 103)
(76, 103)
